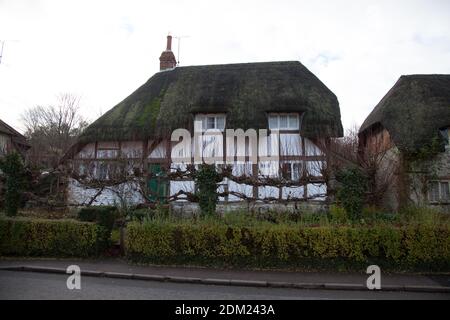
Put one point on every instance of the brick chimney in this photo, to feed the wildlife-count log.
(167, 59)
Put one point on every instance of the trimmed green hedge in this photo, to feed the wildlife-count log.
(50, 238)
(104, 216)
(405, 247)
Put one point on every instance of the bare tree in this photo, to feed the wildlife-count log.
(53, 129)
(374, 160)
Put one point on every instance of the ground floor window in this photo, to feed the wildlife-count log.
(439, 191)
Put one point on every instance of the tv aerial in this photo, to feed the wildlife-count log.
(178, 45)
(2, 45)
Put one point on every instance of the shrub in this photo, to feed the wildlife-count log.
(423, 215)
(104, 216)
(266, 244)
(14, 171)
(51, 238)
(351, 191)
(338, 214)
(142, 214)
(206, 179)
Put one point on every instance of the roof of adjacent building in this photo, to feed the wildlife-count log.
(17, 136)
(245, 92)
(413, 111)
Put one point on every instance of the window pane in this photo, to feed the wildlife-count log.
(293, 122)
(290, 144)
(273, 122)
(445, 192)
(211, 123)
(283, 122)
(220, 122)
(107, 153)
(203, 119)
(102, 171)
(433, 192)
(286, 170)
(82, 170)
(296, 171)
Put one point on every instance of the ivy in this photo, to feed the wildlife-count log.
(427, 152)
(351, 192)
(206, 180)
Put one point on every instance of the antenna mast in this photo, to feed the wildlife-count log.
(179, 43)
(2, 46)
(1, 50)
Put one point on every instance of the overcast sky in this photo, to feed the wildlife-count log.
(104, 50)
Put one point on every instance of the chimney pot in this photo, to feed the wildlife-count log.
(169, 43)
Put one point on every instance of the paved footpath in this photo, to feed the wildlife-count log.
(117, 268)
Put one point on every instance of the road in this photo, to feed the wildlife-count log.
(28, 285)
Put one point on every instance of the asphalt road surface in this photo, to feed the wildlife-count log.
(28, 285)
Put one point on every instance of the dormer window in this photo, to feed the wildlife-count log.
(284, 121)
(211, 121)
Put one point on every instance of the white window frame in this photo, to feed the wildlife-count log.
(203, 117)
(290, 116)
(440, 188)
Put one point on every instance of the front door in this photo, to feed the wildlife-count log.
(158, 184)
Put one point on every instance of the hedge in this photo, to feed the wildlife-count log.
(396, 247)
(50, 238)
(104, 216)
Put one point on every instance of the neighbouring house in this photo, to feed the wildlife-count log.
(298, 111)
(11, 141)
(410, 128)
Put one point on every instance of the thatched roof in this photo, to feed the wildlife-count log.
(413, 111)
(170, 98)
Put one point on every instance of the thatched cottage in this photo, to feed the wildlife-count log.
(282, 97)
(410, 128)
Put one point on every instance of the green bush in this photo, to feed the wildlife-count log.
(104, 216)
(338, 214)
(265, 244)
(351, 191)
(206, 179)
(14, 172)
(142, 214)
(50, 238)
(423, 215)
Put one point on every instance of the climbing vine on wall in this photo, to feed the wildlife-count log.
(427, 152)
(206, 180)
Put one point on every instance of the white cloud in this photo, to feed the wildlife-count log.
(104, 50)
